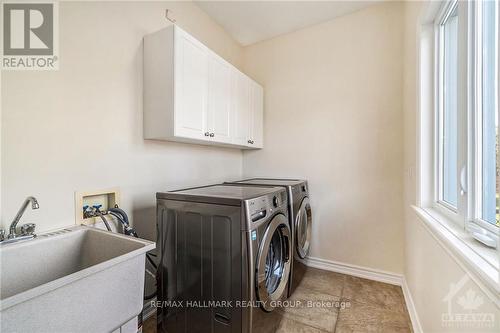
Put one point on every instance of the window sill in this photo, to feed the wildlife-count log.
(481, 262)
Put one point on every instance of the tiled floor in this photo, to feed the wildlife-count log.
(333, 302)
(149, 325)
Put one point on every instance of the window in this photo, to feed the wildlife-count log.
(448, 109)
(467, 164)
(489, 112)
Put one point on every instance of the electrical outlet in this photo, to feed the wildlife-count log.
(105, 198)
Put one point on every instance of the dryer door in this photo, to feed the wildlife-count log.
(303, 223)
(273, 262)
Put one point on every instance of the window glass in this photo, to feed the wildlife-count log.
(449, 127)
(489, 103)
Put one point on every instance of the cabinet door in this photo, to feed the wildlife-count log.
(256, 122)
(241, 108)
(219, 99)
(191, 86)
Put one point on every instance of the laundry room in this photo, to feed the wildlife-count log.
(250, 166)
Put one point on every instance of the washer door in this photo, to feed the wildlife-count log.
(273, 262)
(303, 223)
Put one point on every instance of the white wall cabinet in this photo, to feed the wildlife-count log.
(241, 108)
(190, 87)
(256, 114)
(219, 100)
(193, 95)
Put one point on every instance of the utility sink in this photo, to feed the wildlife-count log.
(78, 279)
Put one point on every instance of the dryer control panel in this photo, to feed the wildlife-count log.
(299, 191)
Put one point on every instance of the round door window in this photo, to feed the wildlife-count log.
(303, 227)
(273, 263)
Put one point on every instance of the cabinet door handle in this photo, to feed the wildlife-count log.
(212, 135)
(207, 133)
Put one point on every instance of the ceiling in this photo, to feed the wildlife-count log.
(253, 21)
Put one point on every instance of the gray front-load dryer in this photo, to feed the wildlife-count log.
(300, 217)
(224, 258)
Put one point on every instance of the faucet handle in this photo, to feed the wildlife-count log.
(28, 229)
(2, 235)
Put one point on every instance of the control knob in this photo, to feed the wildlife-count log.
(276, 201)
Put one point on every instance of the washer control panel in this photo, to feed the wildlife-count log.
(262, 207)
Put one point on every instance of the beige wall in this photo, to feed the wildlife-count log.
(80, 128)
(333, 101)
(429, 269)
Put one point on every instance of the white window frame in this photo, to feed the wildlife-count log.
(467, 213)
(451, 228)
(456, 214)
(474, 223)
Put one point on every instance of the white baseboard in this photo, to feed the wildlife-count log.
(371, 274)
(358, 271)
(412, 310)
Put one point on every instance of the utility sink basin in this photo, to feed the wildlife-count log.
(78, 279)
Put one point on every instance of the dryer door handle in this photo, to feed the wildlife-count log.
(287, 248)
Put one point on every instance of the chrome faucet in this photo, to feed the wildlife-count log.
(27, 230)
